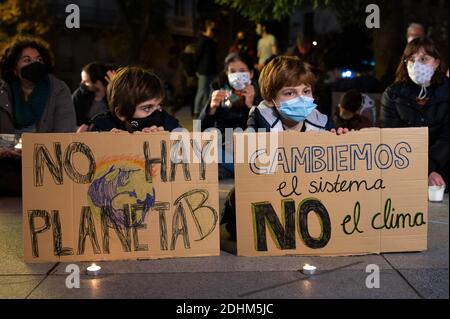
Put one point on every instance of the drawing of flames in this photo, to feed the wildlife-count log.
(120, 180)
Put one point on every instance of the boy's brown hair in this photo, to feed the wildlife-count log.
(284, 71)
(351, 101)
(130, 87)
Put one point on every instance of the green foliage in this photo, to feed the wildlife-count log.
(19, 17)
(349, 11)
(262, 10)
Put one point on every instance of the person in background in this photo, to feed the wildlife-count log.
(231, 99)
(188, 78)
(238, 44)
(134, 99)
(206, 65)
(414, 31)
(287, 86)
(347, 112)
(303, 48)
(419, 98)
(368, 109)
(90, 98)
(233, 95)
(31, 100)
(242, 45)
(267, 45)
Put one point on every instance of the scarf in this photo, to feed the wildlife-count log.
(27, 113)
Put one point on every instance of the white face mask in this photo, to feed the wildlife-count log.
(239, 80)
(420, 74)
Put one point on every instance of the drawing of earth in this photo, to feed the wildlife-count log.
(118, 182)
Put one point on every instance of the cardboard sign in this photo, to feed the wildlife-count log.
(109, 196)
(321, 194)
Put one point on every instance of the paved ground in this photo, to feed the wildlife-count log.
(403, 275)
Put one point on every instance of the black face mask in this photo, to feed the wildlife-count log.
(34, 72)
(154, 119)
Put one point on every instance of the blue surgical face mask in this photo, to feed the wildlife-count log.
(297, 109)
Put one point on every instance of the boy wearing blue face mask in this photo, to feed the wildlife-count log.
(134, 99)
(287, 85)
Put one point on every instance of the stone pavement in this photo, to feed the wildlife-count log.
(403, 275)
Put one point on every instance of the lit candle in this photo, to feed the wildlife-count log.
(18, 146)
(309, 270)
(93, 270)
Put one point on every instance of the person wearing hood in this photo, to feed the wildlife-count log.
(419, 98)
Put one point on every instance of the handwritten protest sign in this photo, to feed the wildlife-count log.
(108, 196)
(322, 194)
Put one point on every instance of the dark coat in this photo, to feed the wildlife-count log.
(58, 115)
(399, 108)
(105, 122)
(82, 101)
(234, 117)
(357, 122)
(205, 56)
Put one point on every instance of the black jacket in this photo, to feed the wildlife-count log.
(107, 121)
(357, 122)
(399, 108)
(205, 56)
(234, 117)
(82, 101)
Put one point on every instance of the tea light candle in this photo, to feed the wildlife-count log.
(93, 270)
(436, 193)
(309, 270)
(18, 146)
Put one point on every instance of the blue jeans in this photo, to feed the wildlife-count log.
(227, 155)
(203, 91)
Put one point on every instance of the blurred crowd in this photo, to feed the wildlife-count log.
(257, 86)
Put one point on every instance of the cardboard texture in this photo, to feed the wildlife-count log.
(112, 196)
(359, 193)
